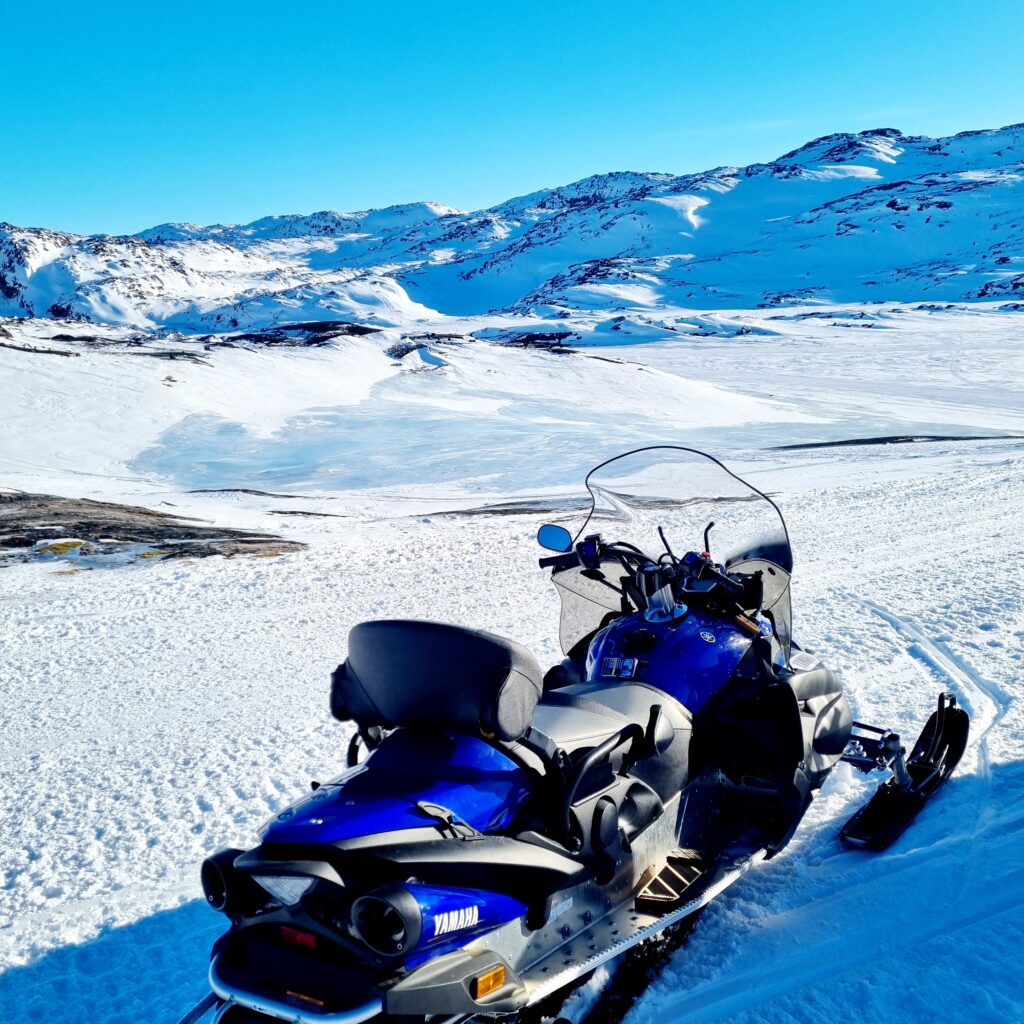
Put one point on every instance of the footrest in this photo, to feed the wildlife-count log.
(666, 890)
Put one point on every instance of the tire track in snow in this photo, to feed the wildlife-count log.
(986, 702)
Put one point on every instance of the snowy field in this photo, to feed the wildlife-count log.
(156, 712)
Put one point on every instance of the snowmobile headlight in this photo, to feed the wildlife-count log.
(286, 889)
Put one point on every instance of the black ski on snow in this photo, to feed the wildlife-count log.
(895, 804)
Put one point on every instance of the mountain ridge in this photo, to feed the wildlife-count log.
(869, 216)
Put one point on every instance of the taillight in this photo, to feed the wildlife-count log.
(297, 937)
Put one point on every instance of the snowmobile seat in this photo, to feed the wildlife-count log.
(431, 675)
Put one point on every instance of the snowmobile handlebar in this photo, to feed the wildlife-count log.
(566, 561)
(701, 567)
(590, 552)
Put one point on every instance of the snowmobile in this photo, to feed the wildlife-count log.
(500, 832)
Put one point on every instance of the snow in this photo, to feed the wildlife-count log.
(156, 715)
(344, 415)
(82, 416)
(156, 711)
(878, 216)
(687, 206)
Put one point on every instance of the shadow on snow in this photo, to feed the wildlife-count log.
(154, 970)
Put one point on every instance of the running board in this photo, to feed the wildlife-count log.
(666, 890)
(628, 926)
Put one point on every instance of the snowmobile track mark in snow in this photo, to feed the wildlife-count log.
(972, 687)
(762, 986)
(937, 656)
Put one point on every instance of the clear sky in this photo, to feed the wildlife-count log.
(115, 116)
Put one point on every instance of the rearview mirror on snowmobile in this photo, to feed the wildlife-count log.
(554, 538)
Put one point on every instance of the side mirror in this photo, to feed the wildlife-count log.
(554, 538)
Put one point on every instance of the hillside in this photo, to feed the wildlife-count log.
(877, 216)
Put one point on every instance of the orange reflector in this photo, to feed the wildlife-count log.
(297, 937)
(490, 981)
(298, 999)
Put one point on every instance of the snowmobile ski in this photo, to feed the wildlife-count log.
(898, 801)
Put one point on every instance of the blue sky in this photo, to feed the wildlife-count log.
(117, 116)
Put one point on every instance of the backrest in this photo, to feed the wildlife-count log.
(406, 672)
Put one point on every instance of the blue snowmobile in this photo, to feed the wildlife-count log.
(500, 831)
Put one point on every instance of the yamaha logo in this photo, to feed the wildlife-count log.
(707, 637)
(453, 920)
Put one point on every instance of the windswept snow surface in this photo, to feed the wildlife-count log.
(154, 713)
(470, 414)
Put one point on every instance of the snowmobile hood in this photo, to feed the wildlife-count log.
(691, 658)
(461, 774)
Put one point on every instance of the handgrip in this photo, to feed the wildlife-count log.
(630, 733)
(702, 568)
(566, 561)
(730, 586)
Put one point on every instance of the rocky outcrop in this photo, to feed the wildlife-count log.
(46, 525)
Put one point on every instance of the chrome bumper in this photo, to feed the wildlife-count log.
(234, 996)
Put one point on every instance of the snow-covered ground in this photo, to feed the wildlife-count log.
(467, 415)
(156, 712)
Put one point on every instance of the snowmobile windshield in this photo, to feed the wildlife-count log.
(637, 497)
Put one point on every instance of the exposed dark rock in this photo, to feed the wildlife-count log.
(857, 442)
(439, 336)
(550, 340)
(243, 490)
(28, 519)
(402, 348)
(173, 354)
(303, 512)
(306, 333)
(35, 348)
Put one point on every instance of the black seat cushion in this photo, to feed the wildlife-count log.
(404, 672)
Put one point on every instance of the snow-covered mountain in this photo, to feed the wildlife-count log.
(846, 218)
